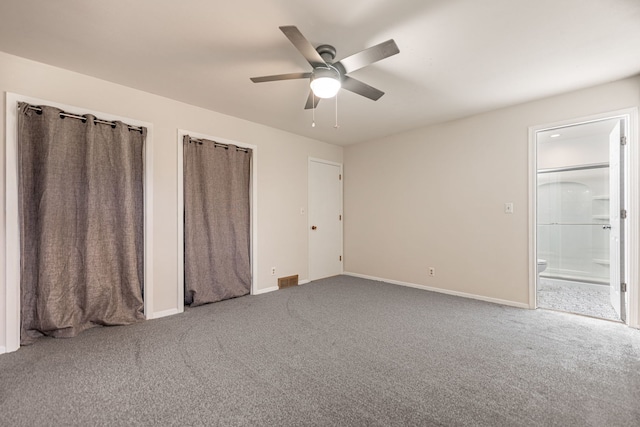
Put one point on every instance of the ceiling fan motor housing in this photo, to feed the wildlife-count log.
(322, 72)
(335, 71)
(327, 52)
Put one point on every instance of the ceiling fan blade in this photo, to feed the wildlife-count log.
(356, 86)
(312, 101)
(304, 46)
(289, 76)
(369, 56)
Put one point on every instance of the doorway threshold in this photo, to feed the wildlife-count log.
(577, 298)
(581, 315)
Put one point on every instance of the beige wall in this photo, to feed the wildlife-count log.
(434, 197)
(282, 168)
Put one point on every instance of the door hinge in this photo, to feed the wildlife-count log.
(340, 177)
(339, 217)
(623, 287)
(623, 214)
(623, 140)
(340, 257)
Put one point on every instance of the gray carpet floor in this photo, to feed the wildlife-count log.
(340, 351)
(574, 297)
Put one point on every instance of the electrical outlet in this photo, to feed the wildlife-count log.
(273, 271)
(432, 271)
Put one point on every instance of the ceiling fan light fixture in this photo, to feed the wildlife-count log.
(327, 75)
(325, 82)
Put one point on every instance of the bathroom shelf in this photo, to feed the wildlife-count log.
(605, 197)
(601, 261)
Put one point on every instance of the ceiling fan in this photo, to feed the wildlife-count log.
(327, 76)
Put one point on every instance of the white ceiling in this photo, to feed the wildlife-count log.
(457, 57)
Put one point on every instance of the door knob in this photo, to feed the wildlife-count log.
(313, 227)
(606, 227)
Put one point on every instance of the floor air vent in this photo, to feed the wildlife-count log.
(287, 282)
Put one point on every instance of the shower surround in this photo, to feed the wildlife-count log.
(573, 223)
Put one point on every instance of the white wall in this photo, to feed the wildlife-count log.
(434, 197)
(282, 181)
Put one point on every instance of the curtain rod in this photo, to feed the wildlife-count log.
(84, 119)
(219, 144)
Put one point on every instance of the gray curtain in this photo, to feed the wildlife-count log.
(217, 221)
(81, 229)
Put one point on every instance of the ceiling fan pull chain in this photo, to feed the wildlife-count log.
(313, 110)
(336, 126)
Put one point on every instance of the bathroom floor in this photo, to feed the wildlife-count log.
(576, 297)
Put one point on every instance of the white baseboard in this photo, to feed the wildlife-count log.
(303, 282)
(164, 313)
(3, 350)
(442, 291)
(265, 290)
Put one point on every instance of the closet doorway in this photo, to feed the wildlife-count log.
(581, 218)
(243, 275)
(12, 222)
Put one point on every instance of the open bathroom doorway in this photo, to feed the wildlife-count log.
(580, 218)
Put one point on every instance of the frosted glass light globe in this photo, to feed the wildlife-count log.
(325, 82)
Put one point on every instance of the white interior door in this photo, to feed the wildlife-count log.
(616, 204)
(325, 219)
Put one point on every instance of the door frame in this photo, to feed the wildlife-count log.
(632, 198)
(328, 162)
(253, 209)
